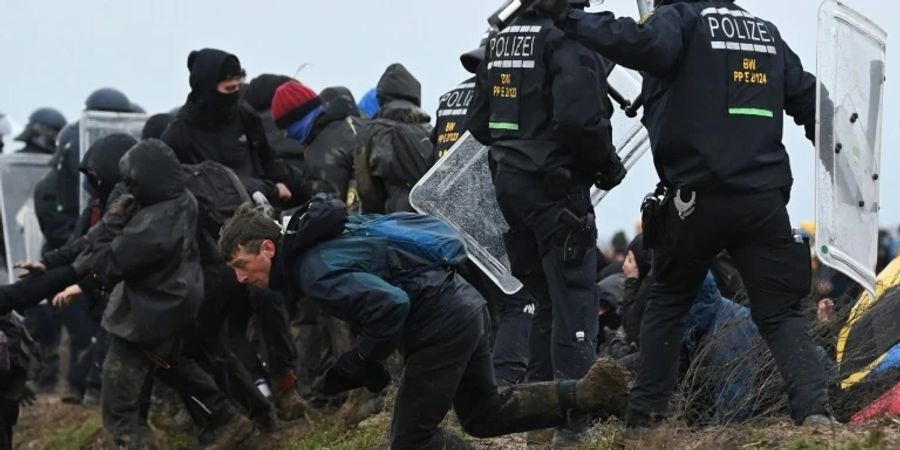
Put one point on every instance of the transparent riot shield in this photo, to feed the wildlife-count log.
(95, 125)
(19, 174)
(851, 54)
(458, 188)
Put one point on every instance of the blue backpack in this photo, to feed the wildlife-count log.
(427, 237)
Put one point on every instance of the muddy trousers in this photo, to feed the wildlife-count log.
(128, 375)
(456, 370)
(756, 231)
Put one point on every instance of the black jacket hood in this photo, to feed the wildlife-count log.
(152, 172)
(102, 160)
(337, 109)
(398, 84)
(261, 91)
(206, 107)
(343, 97)
(321, 219)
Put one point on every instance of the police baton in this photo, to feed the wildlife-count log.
(509, 12)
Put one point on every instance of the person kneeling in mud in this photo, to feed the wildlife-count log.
(396, 300)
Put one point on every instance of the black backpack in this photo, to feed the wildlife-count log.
(390, 150)
(219, 193)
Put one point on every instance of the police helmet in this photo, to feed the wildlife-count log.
(108, 99)
(43, 126)
(472, 59)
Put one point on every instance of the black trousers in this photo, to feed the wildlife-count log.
(564, 329)
(756, 231)
(511, 317)
(455, 369)
(271, 325)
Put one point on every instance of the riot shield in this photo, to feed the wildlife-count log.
(458, 188)
(19, 174)
(851, 52)
(95, 125)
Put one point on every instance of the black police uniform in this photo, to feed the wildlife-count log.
(540, 103)
(717, 82)
(451, 117)
(511, 314)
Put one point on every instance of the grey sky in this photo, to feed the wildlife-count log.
(56, 52)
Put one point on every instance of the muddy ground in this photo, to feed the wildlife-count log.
(50, 424)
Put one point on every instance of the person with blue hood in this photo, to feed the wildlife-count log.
(727, 351)
(396, 299)
(326, 130)
(368, 105)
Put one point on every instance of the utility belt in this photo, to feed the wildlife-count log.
(656, 206)
(579, 233)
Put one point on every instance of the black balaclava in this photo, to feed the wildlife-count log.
(101, 162)
(152, 172)
(206, 107)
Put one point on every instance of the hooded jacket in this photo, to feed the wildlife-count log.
(401, 119)
(218, 127)
(400, 96)
(390, 297)
(101, 165)
(151, 260)
(333, 143)
(720, 336)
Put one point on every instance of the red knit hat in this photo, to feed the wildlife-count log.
(292, 101)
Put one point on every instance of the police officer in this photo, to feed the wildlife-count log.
(40, 134)
(450, 124)
(510, 314)
(541, 104)
(717, 83)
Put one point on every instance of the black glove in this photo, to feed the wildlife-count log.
(351, 371)
(612, 176)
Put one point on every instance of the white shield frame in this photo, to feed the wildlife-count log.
(95, 125)
(19, 174)
(458, 189)
(851, 55)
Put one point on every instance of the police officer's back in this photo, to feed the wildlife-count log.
(717, 82)
(541, 100)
